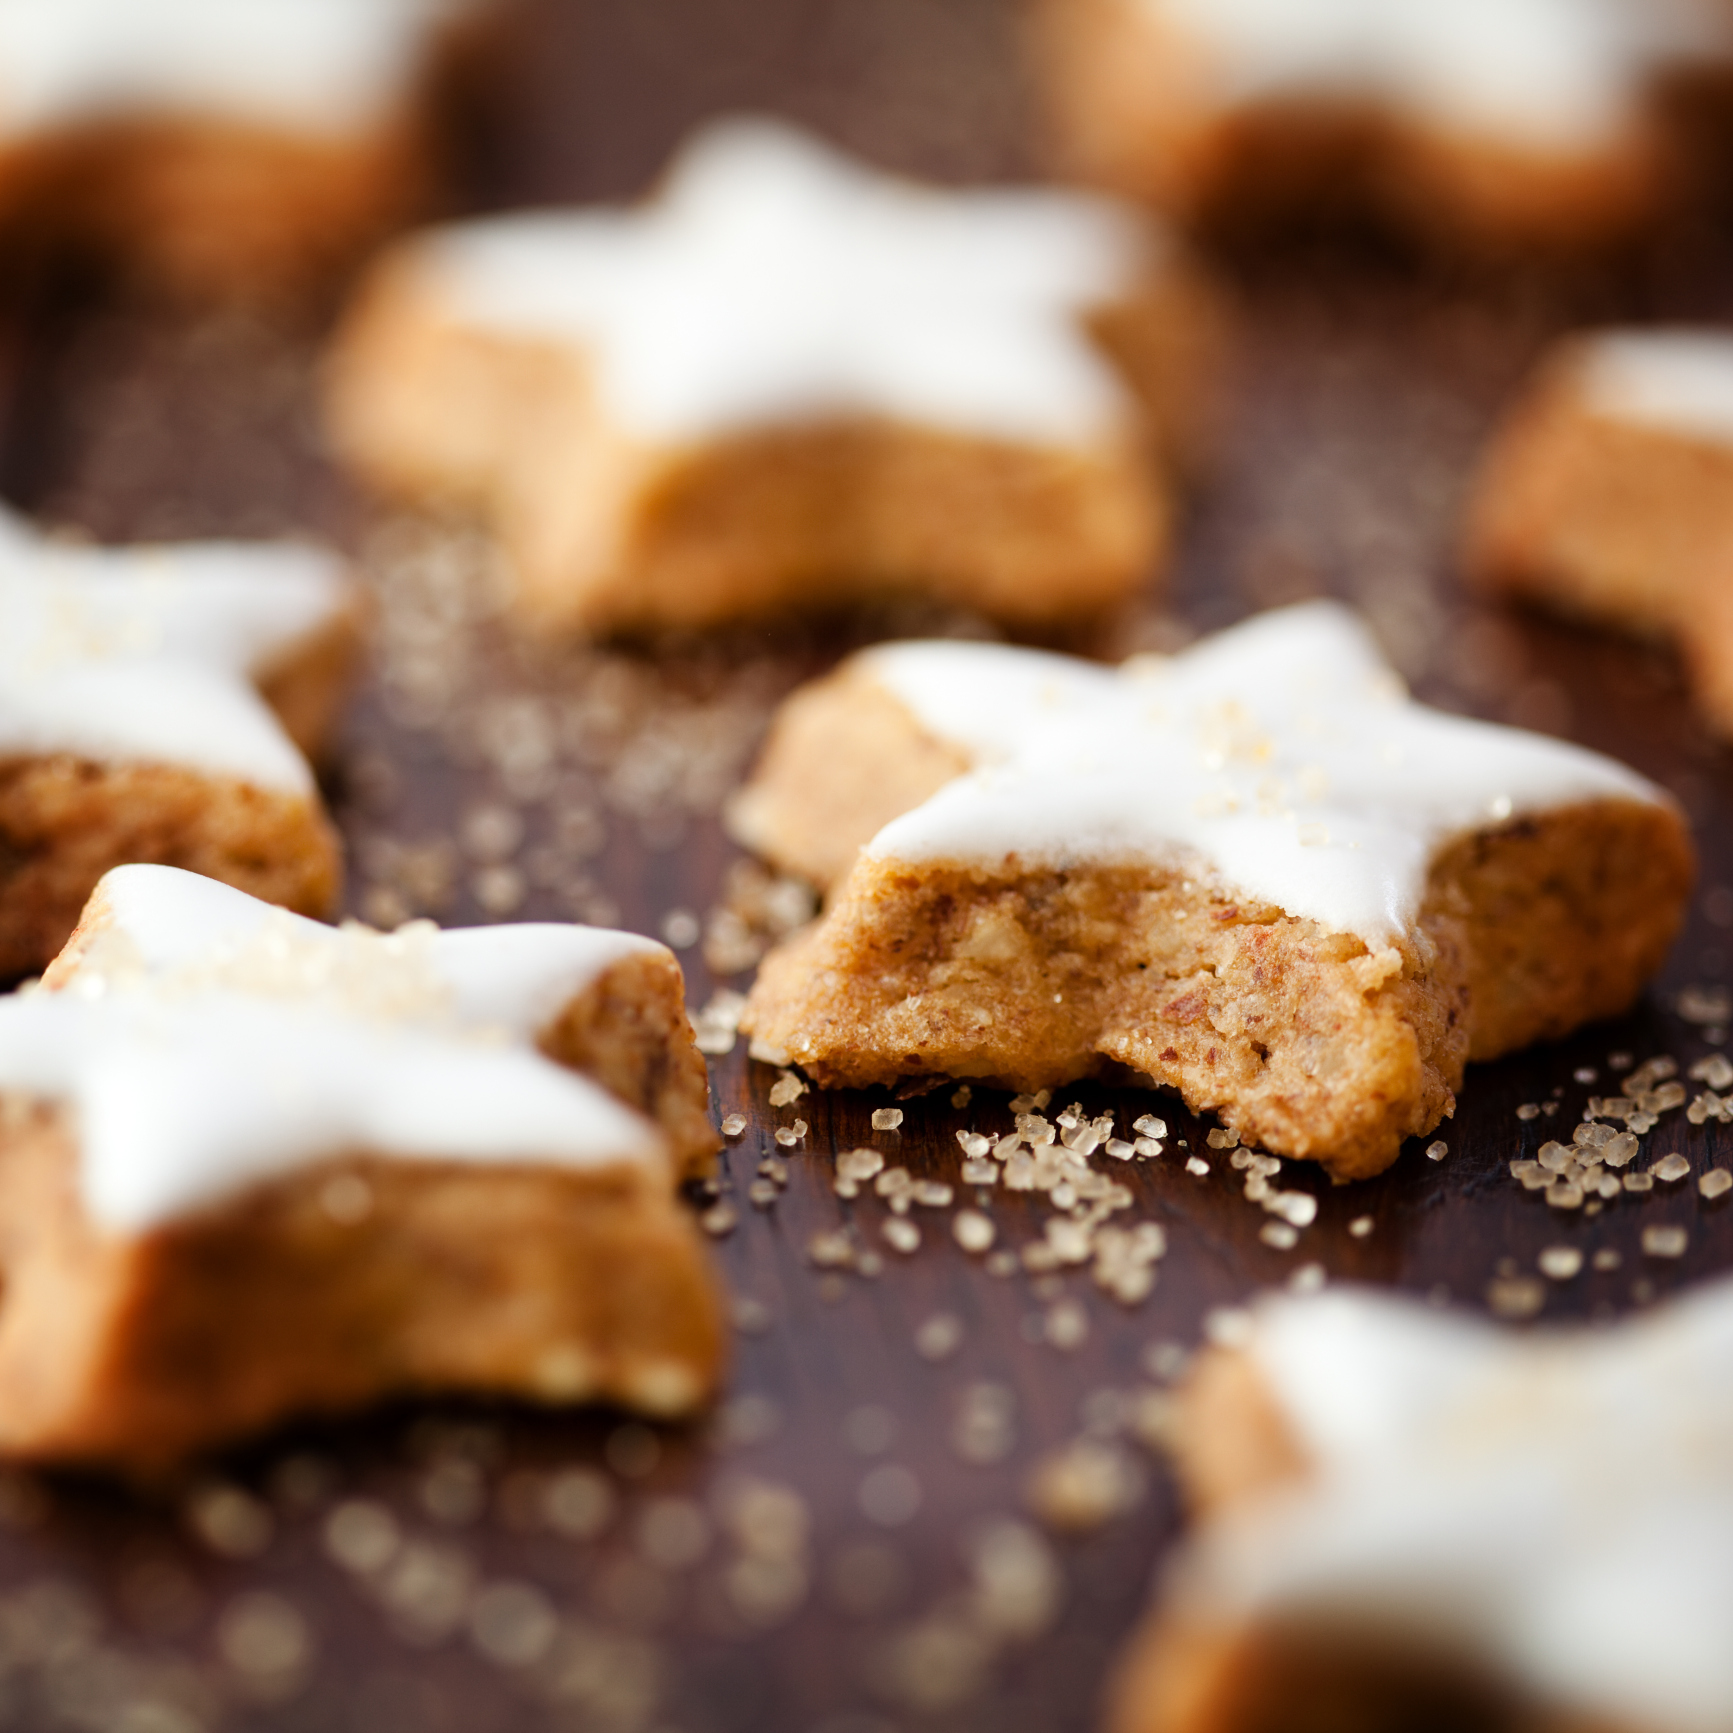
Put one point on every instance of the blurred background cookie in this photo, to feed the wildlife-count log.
(223, 148)
(788, 382)
(1503, 124)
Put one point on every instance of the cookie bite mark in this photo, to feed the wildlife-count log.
(136, 723)
(1606, 493)
(1388, 1526)
(788, 381)
(1517, 124)
(253, 1167)
(1255, 873)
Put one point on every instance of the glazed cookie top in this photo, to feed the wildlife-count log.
(1679, 380)
(1552, 1506)
(773, 280)
(206, 1041)
(1543, 72)
(1283, 755)
(146, 655)
(311, 65)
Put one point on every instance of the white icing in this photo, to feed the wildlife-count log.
(207, 1041)
(320, 66)
(774, 280)
(1546, 73)
(145, 655)
(1284, 752)
(1555, 1507)
(1677, 380)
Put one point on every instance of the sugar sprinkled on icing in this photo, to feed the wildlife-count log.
(1283, 753)
(144, 655)
(774, 280)
(206, 1040)
(1557, 73)
(323, 66)
(1680, 380)
(1555, 1507)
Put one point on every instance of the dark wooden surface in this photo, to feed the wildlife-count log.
(819, 1557)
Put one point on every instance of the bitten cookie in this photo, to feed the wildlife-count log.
(1489, 122)
(155, 704)
(1256, 873)
(219, 147)
(253, 1167)
(1412, 1520)
(788, 381)
(1608, 493)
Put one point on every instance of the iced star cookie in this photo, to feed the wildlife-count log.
(1416, 1520)
(156, 705)
(251, 1166)
(1256, 873)
(1502, 122)
(1608, 492)
(218, 146)
(787, 381)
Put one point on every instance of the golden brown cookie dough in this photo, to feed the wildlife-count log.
(139, 1333)
(1306, 1041)
(1607, 493)
(66, 817)
(441, 390)
(1327, 109)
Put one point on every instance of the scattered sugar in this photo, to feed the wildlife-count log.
(887, 1118)
(1560, 1263)
(902, 1235)
(1665, 1242)
(1670, 1169)
(1361, 1226)
(787, 1088)
(1717, 1182)
(973, 1230)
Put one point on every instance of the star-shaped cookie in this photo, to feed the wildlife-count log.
(1256, 872)
(788, 380)
(218, 145)
(253, 1166)
(154, 706)
(1607, 492)
(1501, 122)
(1421, 1520)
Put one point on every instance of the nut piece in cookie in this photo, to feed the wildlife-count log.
(1397, 1525)
(227, 148)
(155, 705)
(253, 1167)
(1256, 873)
(788, 381)
(1608, 493)
(1487, 123)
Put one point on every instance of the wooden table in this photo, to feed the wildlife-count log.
(846, 1547)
